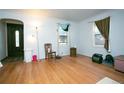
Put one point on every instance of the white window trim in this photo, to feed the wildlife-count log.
(68, 39)
(59, 45)
(94, 45)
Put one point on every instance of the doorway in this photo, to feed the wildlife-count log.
(15, 41)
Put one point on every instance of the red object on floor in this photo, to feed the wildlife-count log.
(34, 58)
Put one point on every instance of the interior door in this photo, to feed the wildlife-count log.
(15, 40)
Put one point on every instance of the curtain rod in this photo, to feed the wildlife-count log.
(98, 19)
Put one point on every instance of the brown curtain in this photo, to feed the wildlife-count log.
(103, 26)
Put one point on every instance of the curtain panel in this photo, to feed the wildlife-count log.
(65, 27)
(103, 26)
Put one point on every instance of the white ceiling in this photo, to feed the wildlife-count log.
(75, 14)
(68, 14)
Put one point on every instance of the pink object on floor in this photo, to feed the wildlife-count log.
(34, 58)
(119, 63)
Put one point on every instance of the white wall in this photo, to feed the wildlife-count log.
(47, 27)
(85, 41)
(81, 33)
(48, 34)
(2, 41)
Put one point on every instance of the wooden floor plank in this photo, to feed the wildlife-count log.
(68, 70)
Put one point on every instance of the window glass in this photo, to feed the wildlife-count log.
(63, 39)
(17, 38)
(98, 38)
(63, 35)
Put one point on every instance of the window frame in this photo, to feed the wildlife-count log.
(67, 34)
(94, 45)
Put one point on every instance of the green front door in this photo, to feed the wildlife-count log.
(15, 40)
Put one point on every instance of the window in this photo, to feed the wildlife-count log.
(63, 36)
(98, 38)
(17, 38)
(62, 39)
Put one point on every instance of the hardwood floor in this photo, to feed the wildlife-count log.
(68, 70)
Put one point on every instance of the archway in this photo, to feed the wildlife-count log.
(14, 39)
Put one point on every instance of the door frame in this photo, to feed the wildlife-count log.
(7, 37)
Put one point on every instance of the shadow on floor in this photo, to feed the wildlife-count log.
(11, 59)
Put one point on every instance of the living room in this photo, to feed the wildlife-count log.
(42, 26)
(82, 59)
